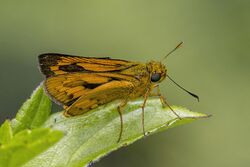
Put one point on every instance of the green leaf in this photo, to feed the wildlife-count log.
(26, 144)
(33, 112)
(5, 133)
(94, 134)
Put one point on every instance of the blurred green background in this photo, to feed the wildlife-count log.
(214, 62)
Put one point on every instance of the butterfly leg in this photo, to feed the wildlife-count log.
(143, 106)
(164, 101)
(119, 109)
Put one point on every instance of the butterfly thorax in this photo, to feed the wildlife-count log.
(146, 77)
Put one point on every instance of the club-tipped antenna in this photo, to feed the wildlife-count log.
(192, 94)
(178, 46)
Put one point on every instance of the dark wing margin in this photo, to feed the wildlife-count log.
(46, 61)
(52, 64)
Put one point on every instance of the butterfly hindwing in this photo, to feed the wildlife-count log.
(80, 92)
(66, 89)
(100, 95)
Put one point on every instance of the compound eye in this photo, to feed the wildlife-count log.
(155, 77)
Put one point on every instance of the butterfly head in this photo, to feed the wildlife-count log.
(157, 71)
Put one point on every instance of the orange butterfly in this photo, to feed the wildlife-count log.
(84, 83)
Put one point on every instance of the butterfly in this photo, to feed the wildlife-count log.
(81, 84)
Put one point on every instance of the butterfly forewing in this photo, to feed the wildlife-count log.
(56, 64)
(81, 84)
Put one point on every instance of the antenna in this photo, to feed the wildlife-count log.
(178, 46)
(192, 94)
